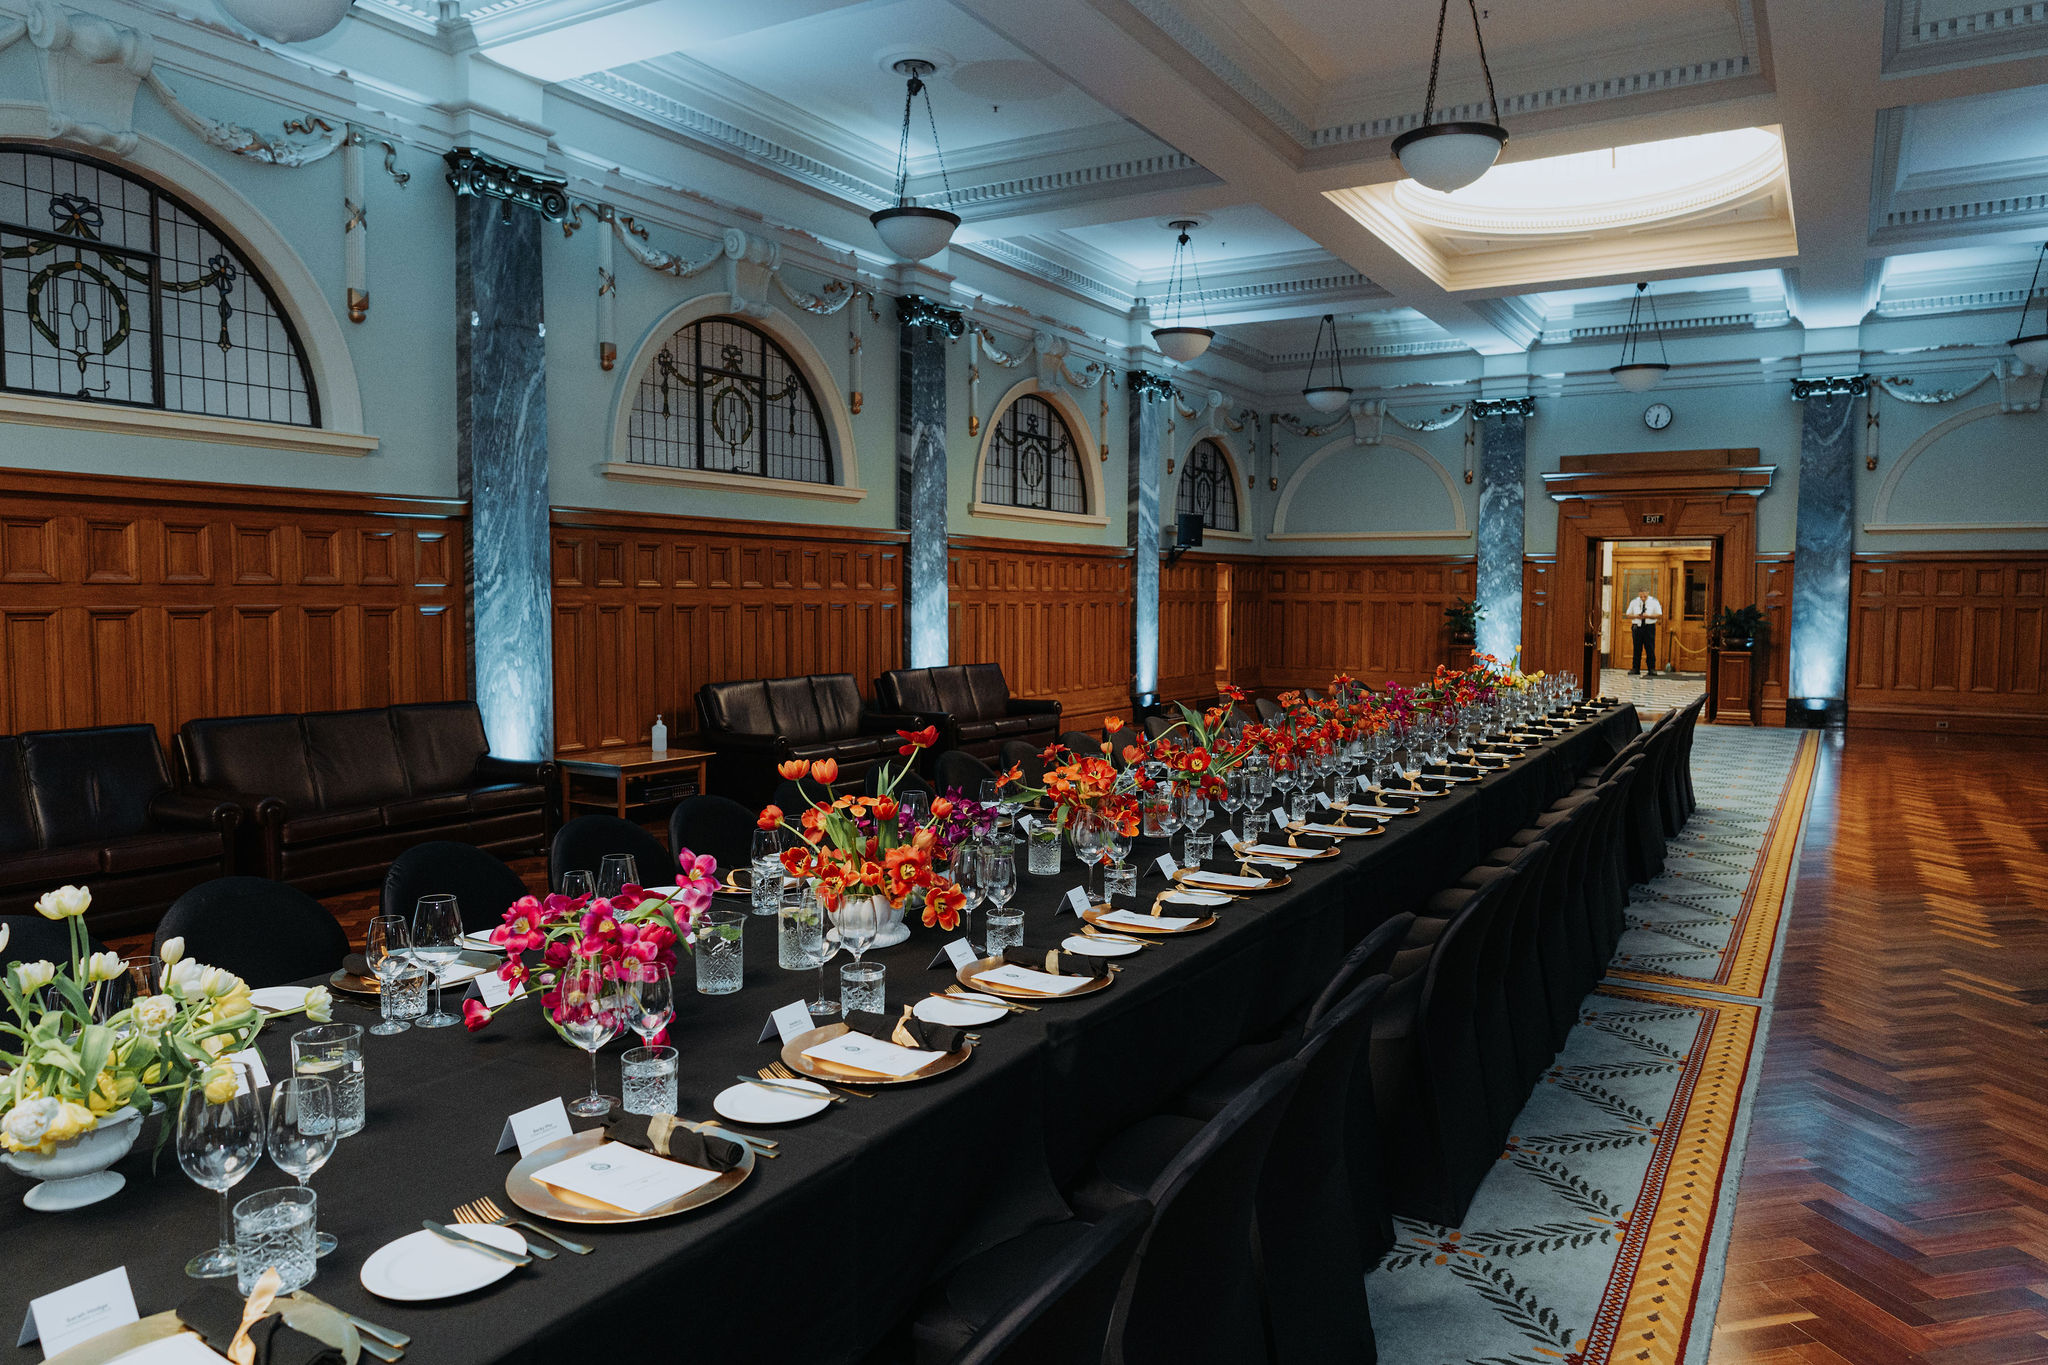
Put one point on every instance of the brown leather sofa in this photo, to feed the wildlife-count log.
(972, 706)
(751, 726)
(96, 808)
(329, 799)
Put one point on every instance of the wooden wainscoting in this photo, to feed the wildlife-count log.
(1539, 574)
(1378, 618)
(1774, 595)
(1949, 637)
(126, 600)
(1056, 617)
(648, 608)
(1197, 601)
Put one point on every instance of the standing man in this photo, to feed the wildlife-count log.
(1643, 615)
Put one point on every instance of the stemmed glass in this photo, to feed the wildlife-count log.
(615, 872)
(437, 941)
(969, 861)
(590, 1015)
(578, 882)
(219, 1143)
(858, 920)
(802, 934)
(387, 947)
(650, 998)
(1236, 791)
(1090, 835)
(999, 883)
(1194, 811)
(301, 1133)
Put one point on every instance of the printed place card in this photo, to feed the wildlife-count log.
(624, 1177)
(1025, 979)
(787, 1022)
(1076, 901)
(878, 1055)
(1132, 920)
(496, 991)
(1166, 864)
(65, 1317)
(958, 953)
(1280, 817)
(532, 1129)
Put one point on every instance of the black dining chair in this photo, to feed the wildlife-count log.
(1157, 725)
(1043, 1298)
(265, 932)
(1269, 710)
(1502, 1059)
(482, 885)
(1120, 740)
(1083, 744)
(911, 781)
(958, 770)
(1023, 755)
(795, 795)
(714, 825)
(31, 938)
(581, 845)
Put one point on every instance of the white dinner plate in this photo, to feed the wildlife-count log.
(959, 1011)
(278, 997)
(1100, 947)
(422, 1265)
(758, 1104)
(481, 943)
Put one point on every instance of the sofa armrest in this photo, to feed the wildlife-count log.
(192, 810)
(726, 741)
(878, 722)
(491, 769)
(1033, 706)
(256, 808)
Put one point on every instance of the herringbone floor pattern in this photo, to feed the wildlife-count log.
(1894, 1201)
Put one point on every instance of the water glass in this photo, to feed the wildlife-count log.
(1299, 806)
(405, 998)
(436, 943)
(615, 872)
(720, 949)
(579, 883)
(1042, 846)
(1119, 879)
(1252, 828)
(275, 1229)
(800, 944)
(300, 1133)
(218, 1145)
(862, 987)
(767, 869)
(1199, 849)
(647, 1079)
(1005, 930)
(335, 1052)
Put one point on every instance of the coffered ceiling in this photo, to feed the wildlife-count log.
(1881, 158)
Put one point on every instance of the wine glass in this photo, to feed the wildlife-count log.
(300, 1133)
(968, 861)
(998, 884)
(910, 808)
(615, 872)
(801, 944)
(650, 998)
(590, 1015)
(436, 942)
(1236, 790)
(578, 882)
(387, 947)
(858, 920)
(219, 1143)
(1089, 833)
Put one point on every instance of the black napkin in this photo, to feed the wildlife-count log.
(216, 1314)
(705, 1151)
(1058, 963)
(355, 964)
(909, 1031)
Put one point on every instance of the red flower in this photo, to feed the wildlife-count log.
(913, 740)
(825, 771)
(475, 1014)
(941, 807)
(1016, 774)
(885, 808)
(792, 768)
(771, 816)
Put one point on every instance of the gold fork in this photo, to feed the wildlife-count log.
(776, 1071)
(486, 1210)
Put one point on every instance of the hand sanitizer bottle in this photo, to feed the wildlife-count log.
(659, 736)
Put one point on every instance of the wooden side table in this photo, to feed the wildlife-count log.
(620, 767)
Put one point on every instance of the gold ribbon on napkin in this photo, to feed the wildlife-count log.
(903, 1037)
(242, 1350)
(660, 1128)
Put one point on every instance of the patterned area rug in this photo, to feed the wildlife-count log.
(1598, 1237)
(1652, 694)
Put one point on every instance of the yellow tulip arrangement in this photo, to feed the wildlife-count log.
(72, 1062)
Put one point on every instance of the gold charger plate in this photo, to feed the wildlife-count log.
(966, 977)
(813, 1069)
(1208, 921)
(348, 983)
(545, 1201)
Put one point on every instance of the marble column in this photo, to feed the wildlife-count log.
(1150, 396)
(924, 331)
(1817, 689)
(1503, 475)
(502, 444)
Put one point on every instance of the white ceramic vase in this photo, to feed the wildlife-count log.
(75, 1173)
(893, 930)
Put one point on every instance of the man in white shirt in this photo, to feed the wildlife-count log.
(1643, 615)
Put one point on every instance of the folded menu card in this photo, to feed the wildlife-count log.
(613, 1173)
(1137, 921)
(879, 1056)
(1378, 810)
(1329, 829)
(1276, 851)
(1195, 898)
(1229, 881)
(1024, 979)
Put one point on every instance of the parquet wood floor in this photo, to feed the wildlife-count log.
(1894, 1202)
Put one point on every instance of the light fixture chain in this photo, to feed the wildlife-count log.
(1484, 69)
(1436, 58)
(1657, 327)
(903, 144)
(929, 113)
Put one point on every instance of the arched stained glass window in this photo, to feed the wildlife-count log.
(722, 395)
(1032, 461)
(113, 290)
(1209, 487)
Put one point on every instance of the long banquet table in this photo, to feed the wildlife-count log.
(826, 1246)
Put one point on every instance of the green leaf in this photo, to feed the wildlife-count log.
(94, 1044)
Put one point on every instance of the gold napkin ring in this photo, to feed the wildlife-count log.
(1052, 961)
(660, 1128)
(901, 1035)
(242, 1350)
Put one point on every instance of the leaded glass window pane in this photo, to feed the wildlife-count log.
(1032, 461)
(721, 395)
(1207, 486)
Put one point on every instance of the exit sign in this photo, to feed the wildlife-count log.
(1653, 518)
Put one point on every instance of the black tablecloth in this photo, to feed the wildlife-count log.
(826, 1246)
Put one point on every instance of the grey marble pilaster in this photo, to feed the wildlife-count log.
(1503, 474)
(502, 445)
(1149, 396)
(1820, 566)
(921, 480)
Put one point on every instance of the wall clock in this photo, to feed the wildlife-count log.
(1657, 416)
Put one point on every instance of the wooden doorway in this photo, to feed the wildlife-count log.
(1679, 576)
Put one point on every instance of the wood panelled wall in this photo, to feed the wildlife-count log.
(126, 600)
(1774, 595)
(1057, 618)
(1198, 597)
(1952, 637)
(648, 608)
(1378, 619)
(1539, 573)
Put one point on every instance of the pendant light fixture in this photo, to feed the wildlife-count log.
(2032, 347)
(1634, 373)
(1333, 396)
(1449, 156)
(910, 230)
(1181, 343)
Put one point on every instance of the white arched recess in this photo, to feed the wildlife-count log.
(1459, 528)
(1085, 451)
(1238, 487)
(298, 293)
(1881, 506)
(810, 363)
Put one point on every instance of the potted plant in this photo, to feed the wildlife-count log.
(1462, 617)
(1737, 627)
